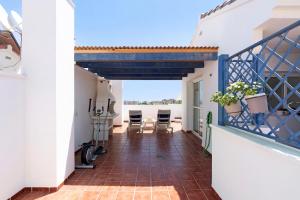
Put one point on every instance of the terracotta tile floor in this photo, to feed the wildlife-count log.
(145, 166)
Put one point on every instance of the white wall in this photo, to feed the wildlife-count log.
(39, 61)
(151, 110)
(64, 90)
(245, 166)
(12, 103)
(117, 90)
(47, 58)
(85, 89)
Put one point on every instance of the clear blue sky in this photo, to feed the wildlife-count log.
(137, 22)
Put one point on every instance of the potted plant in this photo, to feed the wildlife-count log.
(229, 101)
(257, 102)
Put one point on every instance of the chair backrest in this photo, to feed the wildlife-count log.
(135, 115)
(163, 116)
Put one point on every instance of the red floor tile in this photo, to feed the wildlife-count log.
(160, 195)
(196, 195)
(142, 166)
(142, 196)
(90, 195)
(125, 196)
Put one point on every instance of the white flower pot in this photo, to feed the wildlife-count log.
(257, 103)
(234, 109)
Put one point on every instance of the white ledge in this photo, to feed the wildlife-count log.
(11, 75)
(261, 140)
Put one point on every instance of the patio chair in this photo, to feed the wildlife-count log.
(135, 119)
(163, 120)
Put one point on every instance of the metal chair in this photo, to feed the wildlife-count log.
(135, 119)
(164, 119)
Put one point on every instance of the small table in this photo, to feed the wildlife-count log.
(149, 121)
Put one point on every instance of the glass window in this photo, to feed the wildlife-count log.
(198, 100)
(198, 93)
(196, 124)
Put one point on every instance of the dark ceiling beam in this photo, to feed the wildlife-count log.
(191, 56)
(144, 78)
(149, 74)
(145, 75)
(140, 65)
(143, 71)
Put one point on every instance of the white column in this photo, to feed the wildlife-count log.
(184, 103)
(117, 90)
(190, 103)
(47, 55)
(187, 103)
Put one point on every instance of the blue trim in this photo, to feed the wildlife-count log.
(222, 86)
(146, 75)
(140, 65)
(272, 63)
(114, 71)
(134, 70)
(144, 78)
(148, 57)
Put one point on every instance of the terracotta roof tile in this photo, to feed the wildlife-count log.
(219, 7)
(141, 47)
(125, 49)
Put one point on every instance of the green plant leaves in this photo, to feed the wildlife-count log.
(235, 92)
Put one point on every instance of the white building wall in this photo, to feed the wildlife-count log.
(64, 90)
(39, 61)
(248, 167)
(232, 29)
(85, 89)
(12, 148)
(117, 91)
(243, 167)
(47, 58)
(184, 105)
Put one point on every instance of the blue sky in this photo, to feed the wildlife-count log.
(140, 23)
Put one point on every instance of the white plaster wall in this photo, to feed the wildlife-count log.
(47, 57)
(209, 76)
(85, 89)
(184, 105)
(151, 110)
(39, 61)
(247, 167)
(12, 146)
(117, 90)
(231, 29)
(64, 90)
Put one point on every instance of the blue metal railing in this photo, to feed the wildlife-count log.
(275, 63)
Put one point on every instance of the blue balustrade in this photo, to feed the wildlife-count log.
(275, 63)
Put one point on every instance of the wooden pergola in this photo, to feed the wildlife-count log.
(144, 63)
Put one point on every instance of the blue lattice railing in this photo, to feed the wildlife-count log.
(274, 62)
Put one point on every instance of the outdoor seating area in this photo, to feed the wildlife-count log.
(141, 167)
(162, 122)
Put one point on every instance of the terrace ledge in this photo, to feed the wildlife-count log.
(266, 143)
(12, 75)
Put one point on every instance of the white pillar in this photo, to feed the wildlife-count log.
(184, 103)
(117, 90)
(48, 61)
(187, 103)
